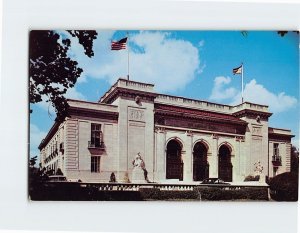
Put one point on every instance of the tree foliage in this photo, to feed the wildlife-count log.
(36, 174)
(294, 160)
(282, 33)
(284, 187)
(51, 70)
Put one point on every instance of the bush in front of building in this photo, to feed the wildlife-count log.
(251, 178)
(217, 193)
(157, 194)
(59, 172)
(126, 178)
(206, 193)
(284, 187)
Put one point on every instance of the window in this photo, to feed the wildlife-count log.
(96, 135)
(275, 171)
(276, 159)
(95, 164)
(276, 149)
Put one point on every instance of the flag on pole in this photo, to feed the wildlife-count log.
(118, 45)
(238, 70)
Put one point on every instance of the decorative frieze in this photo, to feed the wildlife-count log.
(129, 94)
(135, 114)
(256, 131)
(240, 139)
(159, 129)
(189, 133)
(215, 136)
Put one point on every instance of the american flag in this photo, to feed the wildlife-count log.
(118, 45)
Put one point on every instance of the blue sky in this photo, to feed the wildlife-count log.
(193, 64)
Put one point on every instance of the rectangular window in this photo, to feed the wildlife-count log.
(96, 135)
(276, 149)
(95, 164)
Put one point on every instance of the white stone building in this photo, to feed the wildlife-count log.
(178, 138)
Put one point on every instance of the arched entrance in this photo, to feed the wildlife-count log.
(174, 161)
(225, 165)
(200, 164)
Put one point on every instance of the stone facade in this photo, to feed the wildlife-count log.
(179, 139)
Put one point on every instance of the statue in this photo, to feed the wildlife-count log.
(139, 172)
(259, 171)
(112, 178)
(138, 162)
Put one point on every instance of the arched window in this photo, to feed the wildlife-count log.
(200, 164)
(174, 161)
(225, 165)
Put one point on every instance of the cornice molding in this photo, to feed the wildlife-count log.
(252, 114)
(129, 93)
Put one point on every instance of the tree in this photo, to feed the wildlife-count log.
(51, 70)
(284, 187)
(35, 175)
(294, 160)
(282, 33)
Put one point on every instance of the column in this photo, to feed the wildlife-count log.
(187, 158)
(213, 161)
(160, 154)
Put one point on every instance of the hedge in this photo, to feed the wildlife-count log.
(156, 194)
(64, 192)
(206, 193)
(216, 193)
(251, 178)
(284, 187)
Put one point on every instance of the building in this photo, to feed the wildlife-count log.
(179, 139)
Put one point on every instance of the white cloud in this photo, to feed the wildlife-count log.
(155, 57)
(257, 93)
(36, 136)
(71, 93)
(201, 43)
(296, 142)
(219, 92)
(253, 92)
(47, 106)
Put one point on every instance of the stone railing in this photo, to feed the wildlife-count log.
(251, 106)
(124, 83)
(92, 105)
(279, 131)
(169, 187)
(135, 85)
(197, 104)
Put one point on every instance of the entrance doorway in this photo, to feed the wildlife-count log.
(174, 161)
(200, 164)
(225, 165)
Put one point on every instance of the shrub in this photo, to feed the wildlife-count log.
(251, 178)
(217, 193)
(59, 172)
(126, 178)
(284, 187)
(150, 193)
(157, 194)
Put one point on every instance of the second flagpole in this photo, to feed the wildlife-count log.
(242, 82)
(128, 55)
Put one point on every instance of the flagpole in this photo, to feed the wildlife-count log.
(242, 82)
(128, 55)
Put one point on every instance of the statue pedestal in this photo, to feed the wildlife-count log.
(138, 175)
(262, 178)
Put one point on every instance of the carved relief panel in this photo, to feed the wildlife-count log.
(135, 114)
